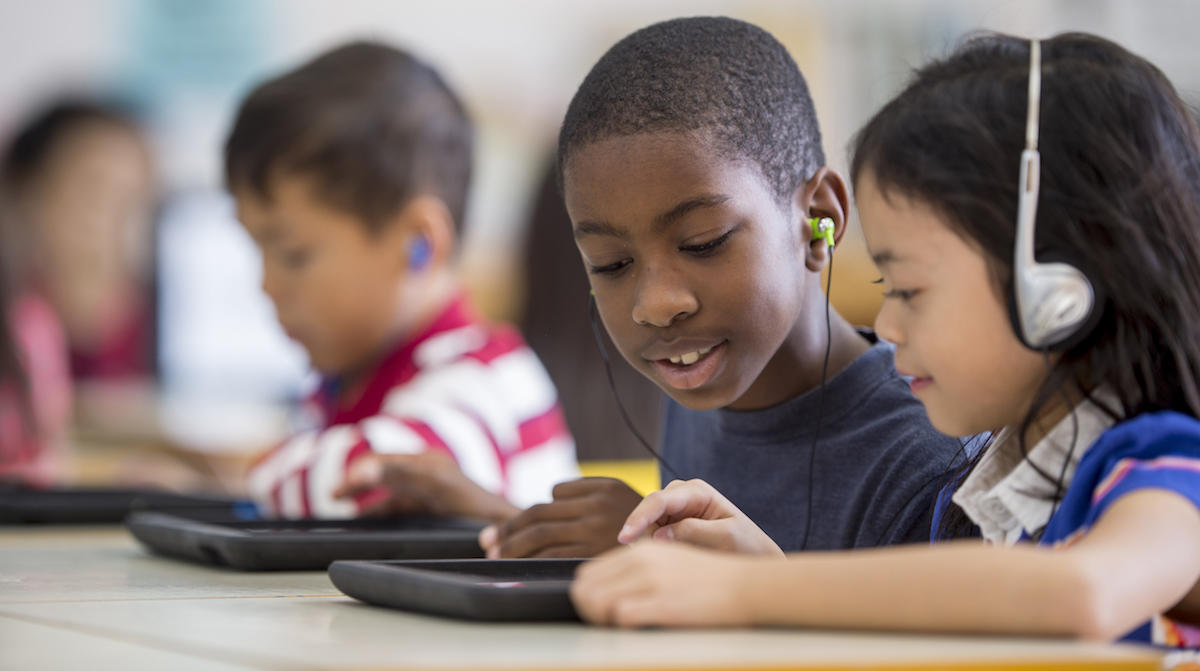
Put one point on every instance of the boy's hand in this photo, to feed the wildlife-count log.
(696, 513)
(581, 521)
(429, 483)
(664, 584)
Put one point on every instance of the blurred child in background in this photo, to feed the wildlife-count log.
(351, 174)
(81, 181)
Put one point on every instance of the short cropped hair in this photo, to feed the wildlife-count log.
(724, 78)
(370, 124)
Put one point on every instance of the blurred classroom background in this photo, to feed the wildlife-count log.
(174, 347)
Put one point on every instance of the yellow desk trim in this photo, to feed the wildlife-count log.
(641, 474)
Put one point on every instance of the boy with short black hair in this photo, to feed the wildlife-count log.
(692, 169)
(351, 174)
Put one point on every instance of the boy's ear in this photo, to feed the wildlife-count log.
(825, 195)
(422, 234)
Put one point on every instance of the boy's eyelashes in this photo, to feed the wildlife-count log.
(610, 268)
(708, 248)
(703, 249)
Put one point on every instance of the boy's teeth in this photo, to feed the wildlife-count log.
(689, 358)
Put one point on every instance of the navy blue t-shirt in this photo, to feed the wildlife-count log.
(877, 468)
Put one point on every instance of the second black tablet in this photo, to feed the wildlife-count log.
(256, 545)
(94, 505)
(479, 589)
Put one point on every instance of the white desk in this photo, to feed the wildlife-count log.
(94, 599)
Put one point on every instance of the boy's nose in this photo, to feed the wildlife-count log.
(662, 299)
(270, 283)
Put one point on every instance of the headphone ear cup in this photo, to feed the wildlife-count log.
(1053, 289)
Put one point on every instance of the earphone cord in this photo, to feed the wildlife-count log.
(612, 386)
(1062, 473)
(812, 452)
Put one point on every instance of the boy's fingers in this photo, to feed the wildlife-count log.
(585, 486)
(554, 511)
(394, 470)
(488, 537)
(530, 540)
(362, 474)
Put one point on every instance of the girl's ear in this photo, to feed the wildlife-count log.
(825, 195)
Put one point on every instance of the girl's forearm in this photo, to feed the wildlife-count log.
(955, 587)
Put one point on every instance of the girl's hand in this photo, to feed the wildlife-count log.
(696, 513)
(663, 584)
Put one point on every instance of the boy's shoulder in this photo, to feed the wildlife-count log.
(459, 352)
(871, 396)
(866, 408)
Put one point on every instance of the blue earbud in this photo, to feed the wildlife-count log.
(419, 253)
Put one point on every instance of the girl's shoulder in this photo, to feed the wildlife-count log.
(1147, 435)
(1159, 450)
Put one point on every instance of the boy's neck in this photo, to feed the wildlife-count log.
(432, 298)
(797, 366)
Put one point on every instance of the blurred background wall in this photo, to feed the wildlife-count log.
(223, 365)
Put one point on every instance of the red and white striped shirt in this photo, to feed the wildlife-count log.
(471, 389)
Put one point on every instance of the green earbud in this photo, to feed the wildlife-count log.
(823, 228)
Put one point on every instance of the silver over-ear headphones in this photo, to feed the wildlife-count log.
(1054, 302)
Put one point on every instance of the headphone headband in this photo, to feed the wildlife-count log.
(1054, 303)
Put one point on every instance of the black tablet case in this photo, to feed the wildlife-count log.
(480, 589)
(283, 545)
(94, 505)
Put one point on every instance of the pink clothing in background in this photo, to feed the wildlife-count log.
(33, 455)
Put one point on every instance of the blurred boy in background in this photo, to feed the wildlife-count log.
(351, 174)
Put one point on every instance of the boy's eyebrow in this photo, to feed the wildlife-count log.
(597, 228)
(663, 220)
(675, 213)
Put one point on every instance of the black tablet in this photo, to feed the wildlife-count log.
(94, 505)
(301, 545)
(476, 589)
